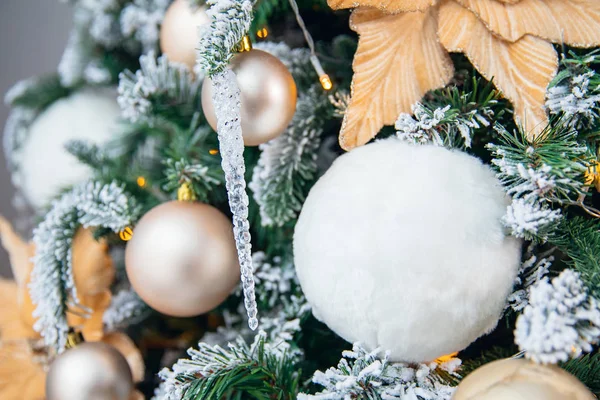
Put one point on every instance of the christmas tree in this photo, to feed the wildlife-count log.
(313, 199)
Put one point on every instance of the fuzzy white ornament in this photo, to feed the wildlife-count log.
(45, 166)
(402, 247)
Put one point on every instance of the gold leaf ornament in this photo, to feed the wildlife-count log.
(400, 55)
(404, 42)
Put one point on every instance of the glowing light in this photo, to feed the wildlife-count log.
(262, 33)
(326, 82)
(446, 358)
(126, 234)
(141, 181)
(213, 152)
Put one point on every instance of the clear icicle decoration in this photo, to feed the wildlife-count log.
(226, 99)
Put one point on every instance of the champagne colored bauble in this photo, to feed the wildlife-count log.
(519, 379)
(268, 96)
(92, 370)
(179, 31)
(182, 259)
(402, 247)
(45, 166)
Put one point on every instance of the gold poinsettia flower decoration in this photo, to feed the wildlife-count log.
(403, 53)
(24, 360)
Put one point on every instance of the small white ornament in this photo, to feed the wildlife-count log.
(402, 247)
(45, 167)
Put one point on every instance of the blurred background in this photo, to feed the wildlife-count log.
(33, 34)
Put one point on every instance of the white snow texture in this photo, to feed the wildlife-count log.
(47, 167)
(401, 246)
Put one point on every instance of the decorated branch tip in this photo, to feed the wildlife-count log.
(91, 204)
(230, 22)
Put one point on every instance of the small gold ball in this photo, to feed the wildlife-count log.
(268, 92)
(126, 234)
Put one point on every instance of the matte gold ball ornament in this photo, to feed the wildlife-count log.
(519, 379)
(182, 259)
(93, 370)
(179, 31)
(268, 96)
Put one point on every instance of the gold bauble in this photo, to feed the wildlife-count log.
(89, 371)
(182, 259)
(268, 95)
(179, 31)
(519, 379)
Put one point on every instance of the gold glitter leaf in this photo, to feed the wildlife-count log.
(398, 60)
(521, 70)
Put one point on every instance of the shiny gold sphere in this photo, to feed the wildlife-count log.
(182, 259)
(179, 31)
(519, 379)
(89, 371)
(268, 96)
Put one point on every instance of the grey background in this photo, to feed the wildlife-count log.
(33, 34)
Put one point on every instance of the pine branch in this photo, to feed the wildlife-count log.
(126, 309)
(52, 287)
(587, 370)
(257, 371)
(579, 239)
(160, 88)
(561, 322)
(287, 165)
(35, 93)
(230, 21)
(202, 178)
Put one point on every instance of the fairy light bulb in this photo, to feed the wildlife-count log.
(323, 77)
(262, 33)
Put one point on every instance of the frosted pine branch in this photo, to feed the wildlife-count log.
(288, 163)
(230, 21)
(52, 287)
(367, 375)
(158, 82)
(532, 271)
(275, 279)
(76, 56)
(141, 19)
(561, 322)
(213, 369)
(202, 178)
(126, 308)
(443, 126)
(529, 219)
(15, 134)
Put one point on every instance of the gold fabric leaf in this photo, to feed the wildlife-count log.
(575, 22)
(125, 345)
(397, 61)
(11, 325)
(19, 252)
(388, 6)
(22, 372)
(521, 70)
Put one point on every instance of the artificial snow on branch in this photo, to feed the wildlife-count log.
(561, 321)
(126, 309)
(367, 375)
(157, 86)
(533, 269)
(288, 163)
(575, 92)
(52, 288)
(141, 19)
(230, 21)
(213, 372)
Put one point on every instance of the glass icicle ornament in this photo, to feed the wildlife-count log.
(226, 99)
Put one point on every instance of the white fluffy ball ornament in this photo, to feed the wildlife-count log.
(45, 166)
(402, 247)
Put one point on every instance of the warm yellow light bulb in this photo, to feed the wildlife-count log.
(446, 358)
(213, 152)
(262, 33)
(326, 82)
(141, 181)
(126, 234)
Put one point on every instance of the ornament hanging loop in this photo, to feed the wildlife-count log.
(244, 45)
(74, 338)
(185, 192)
